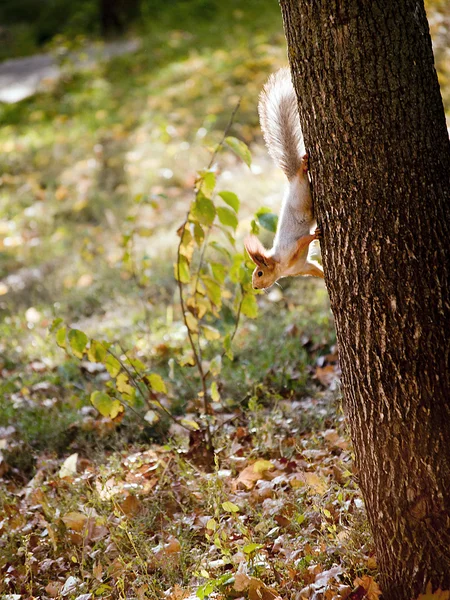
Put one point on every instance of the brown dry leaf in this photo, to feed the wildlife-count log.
(372, 590)
(257, 590)
(332, 438)
(241, 582)
(142, 590)
(163, 554)
(75, 521)
(437, 595)
(326, 375)
(261, 469)
(97, 571)
(178, 593)
(53, 588)
(131, 505)
(173, 546)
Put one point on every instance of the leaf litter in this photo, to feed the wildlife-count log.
(279, 517)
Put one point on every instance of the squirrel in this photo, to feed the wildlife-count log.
(280, 124)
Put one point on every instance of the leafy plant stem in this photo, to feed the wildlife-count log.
(197, 351)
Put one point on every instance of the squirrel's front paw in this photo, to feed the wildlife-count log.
(305, 163)
(318, 233)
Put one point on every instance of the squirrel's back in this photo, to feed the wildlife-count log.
(280, 123)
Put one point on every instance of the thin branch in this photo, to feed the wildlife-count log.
(236, 325)
(196, 352)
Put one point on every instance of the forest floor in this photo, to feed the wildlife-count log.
(130, 507)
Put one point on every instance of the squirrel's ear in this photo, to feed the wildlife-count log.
(256, 251)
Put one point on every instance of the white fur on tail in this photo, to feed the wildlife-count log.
(278, 113)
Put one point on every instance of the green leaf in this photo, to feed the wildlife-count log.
(268, 220)
(213, 291)
(208, 183)
(215, 396)
(240, 149)
(249, 306)
(230, 507)
(238, 272)
(254, 227)
(220, 249)
(227, 347)
(251, 547)
(156, 383)
(112, 365)
(227, 217)
(203, 210)
(187, 244)
(78, 341)
(204, 591)
(181, 270)
(218, 271)
(96, 352)
(55, 324)
(137, 364)
(199, 234)
(231, 199)
(61, 337)
(215, 366)
(106, 406)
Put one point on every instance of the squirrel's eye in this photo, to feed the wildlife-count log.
(260, 273)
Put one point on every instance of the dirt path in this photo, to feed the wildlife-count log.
(22, 77)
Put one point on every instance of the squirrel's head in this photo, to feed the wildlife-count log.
(266, 271)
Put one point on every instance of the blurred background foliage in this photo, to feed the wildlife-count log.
(107, 154)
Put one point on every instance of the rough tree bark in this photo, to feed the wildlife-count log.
(375, 130)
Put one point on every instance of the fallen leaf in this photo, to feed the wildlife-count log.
(248, 477)
(335, 440)
(70, 586)
(257, 590)
(75, 521)
(436, 595)
(241, 582)
(178, 593)
(53, 588)
(69, 466)
(326, 375)
(131, 505)
(371, 587)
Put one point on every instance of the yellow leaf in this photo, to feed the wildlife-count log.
(123, 385)
(252, 473)
(316, 483)
(210, 333)
(215, 396)
(191, 322)
(261, 465)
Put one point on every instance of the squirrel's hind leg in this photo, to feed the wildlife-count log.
(313, 269)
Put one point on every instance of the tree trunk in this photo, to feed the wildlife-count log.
(375, 131)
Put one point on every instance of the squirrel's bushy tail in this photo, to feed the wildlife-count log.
(280, 123)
